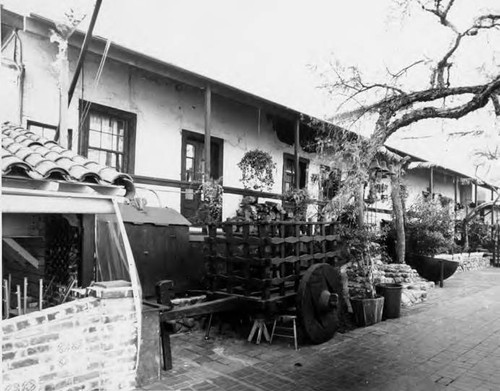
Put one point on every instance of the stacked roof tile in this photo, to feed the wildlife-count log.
(26, 154)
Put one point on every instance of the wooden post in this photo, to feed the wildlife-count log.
(25, 299)
(18, 294)
(40, 294)
(6, 295)
(492, 207)
(431, 183)
(208, 125)
(475, 193)
(86, 268)
(296, 145)
(455, 196)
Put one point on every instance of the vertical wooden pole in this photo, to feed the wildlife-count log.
(86, 267)
(431, 183)
(208, 126)
(18, 294)
(296, 144)
(455, 197)
(492, 208)
(25, 291)
(40, 295)
(6, 299)
(475, 193)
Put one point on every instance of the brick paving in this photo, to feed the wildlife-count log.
(451, 342)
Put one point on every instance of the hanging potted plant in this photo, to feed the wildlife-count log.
(257, 170)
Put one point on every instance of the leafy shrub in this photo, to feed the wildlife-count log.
(429, 228)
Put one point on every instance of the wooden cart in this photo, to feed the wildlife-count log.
(272, 266)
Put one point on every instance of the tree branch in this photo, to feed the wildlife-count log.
(478, 101)
(496, 103)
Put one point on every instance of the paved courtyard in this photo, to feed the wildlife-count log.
(450, 342)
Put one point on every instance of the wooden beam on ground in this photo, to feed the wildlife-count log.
(14, 251)
(208, 307)
(208, 125)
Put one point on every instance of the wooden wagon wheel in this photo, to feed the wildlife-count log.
(317, 303)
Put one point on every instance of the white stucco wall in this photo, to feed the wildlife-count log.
(164, 108)
(418, 180)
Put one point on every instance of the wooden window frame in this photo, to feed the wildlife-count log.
(40, 125)
(289, 156)
(188, 135)
(130, 134)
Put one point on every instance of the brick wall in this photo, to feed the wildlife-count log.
(87, 344)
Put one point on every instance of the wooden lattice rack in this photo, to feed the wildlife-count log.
(265, 261)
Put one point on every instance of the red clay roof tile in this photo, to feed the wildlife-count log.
(27, 154)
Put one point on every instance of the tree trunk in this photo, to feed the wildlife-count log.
(360, 207)
(397, 207)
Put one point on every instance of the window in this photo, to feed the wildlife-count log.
(44, 130)
(108, 136)
(289, 172)
(192, 167)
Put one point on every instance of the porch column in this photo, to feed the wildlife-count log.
(456, 190)
(297, 141)
(455, 198)
(431, 183)
(208, 125)
(492, 207)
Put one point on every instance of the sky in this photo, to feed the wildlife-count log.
(282, 50)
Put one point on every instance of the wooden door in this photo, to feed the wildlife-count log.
(193, 173)
(193, 152)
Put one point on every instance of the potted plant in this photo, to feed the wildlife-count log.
(257, 170)
(295, 202)
(362, 246)
(429, 232)
(210, 210)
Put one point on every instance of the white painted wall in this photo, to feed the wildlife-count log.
(163, 108)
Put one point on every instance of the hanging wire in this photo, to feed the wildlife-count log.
(97, 78)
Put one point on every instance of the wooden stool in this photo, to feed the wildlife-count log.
(291, 332)
(259, 325)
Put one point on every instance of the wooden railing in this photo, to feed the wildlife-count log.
(265, 261)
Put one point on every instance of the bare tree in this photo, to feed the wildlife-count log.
(395, 107)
